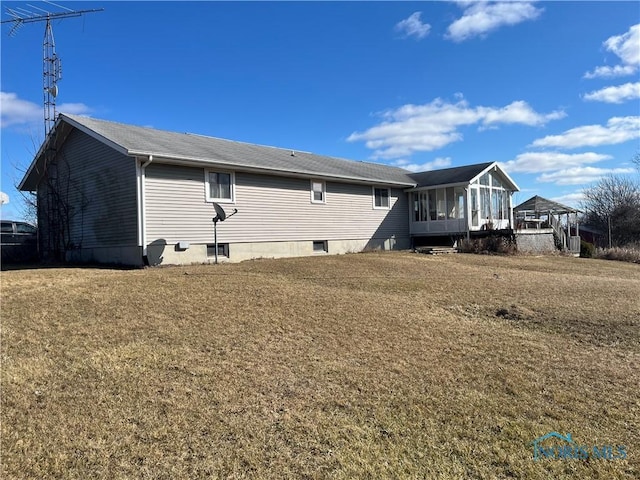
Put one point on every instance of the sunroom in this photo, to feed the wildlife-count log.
(461, 200)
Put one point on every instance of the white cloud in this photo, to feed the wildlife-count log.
(413, 26)
(440, 162)
(572, 199)
(580, 175)
(537, 162)
(618, 130)
(480, 18)
(610, 72)
(414, 128)
(4, 198)
(617, 94)
(16, 111)
(627, 48)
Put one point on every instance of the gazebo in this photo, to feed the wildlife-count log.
(541, 213)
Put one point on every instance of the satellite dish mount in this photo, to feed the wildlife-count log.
(221, 216)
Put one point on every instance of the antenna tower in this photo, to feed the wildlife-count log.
(52, 67)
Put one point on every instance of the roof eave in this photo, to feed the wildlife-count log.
(206, 162)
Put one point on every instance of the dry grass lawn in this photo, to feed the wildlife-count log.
(392, 365)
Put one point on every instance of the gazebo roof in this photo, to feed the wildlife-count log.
(538, 204)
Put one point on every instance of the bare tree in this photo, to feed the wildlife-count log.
(613, 206)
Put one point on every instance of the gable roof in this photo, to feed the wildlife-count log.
(539, 204)
(137, 141)
(458, 175)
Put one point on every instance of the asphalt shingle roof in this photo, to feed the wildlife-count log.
(142, 141)
(539, 204)
(448, 176)
(136, 140)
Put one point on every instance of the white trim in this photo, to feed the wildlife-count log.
(232, 186)
(143, 204)
(324, 191)
(139, 200)
(373, 194)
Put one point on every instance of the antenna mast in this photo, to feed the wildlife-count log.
(52, 67)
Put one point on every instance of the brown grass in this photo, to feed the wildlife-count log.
(358, 366)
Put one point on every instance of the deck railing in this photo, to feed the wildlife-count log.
(559, 231)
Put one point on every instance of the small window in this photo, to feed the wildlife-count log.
(320, 246)
(6, 227)
(318, 191)
(219, 186)
(381, 198)
(223, 250)
(25, 228)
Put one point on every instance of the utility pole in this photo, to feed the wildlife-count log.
(52, 67)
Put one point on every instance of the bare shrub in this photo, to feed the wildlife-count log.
(489, 245)
(628, 253)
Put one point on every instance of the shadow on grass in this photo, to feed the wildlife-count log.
(37, 265)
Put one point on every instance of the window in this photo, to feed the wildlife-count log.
(485, 203)
(459, 208)
(223, 249)
(451, 204)
(381, 198)
(320, 246)
(318, 191)
(442, 208)
(220, 186)
(7, 227)
(474, 207)
(432, 205)
(25, 228)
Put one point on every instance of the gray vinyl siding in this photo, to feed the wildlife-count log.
(100, 184)
(270, 208)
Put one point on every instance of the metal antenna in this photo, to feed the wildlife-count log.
(52, 67)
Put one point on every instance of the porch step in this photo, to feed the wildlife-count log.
(436, 250)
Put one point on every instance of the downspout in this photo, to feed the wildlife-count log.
(142, 221)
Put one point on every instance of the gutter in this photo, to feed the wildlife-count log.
(142, 204)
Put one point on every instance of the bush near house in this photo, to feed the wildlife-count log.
(586, 249)
(628, 253)
(488, 245)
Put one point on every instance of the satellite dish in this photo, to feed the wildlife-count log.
(53, 91)
(221, 216)
(220, 213)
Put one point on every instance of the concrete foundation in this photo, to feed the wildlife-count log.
(535, 241)
(124, 255)
(197, 253)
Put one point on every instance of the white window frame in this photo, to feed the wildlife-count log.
(373, 194)
(232, 186)
(324, 191)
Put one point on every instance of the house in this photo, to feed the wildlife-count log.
(116, 193)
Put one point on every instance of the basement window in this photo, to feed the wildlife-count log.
(320, 246)
(223, 250)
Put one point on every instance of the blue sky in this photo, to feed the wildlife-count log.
(549, 89)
